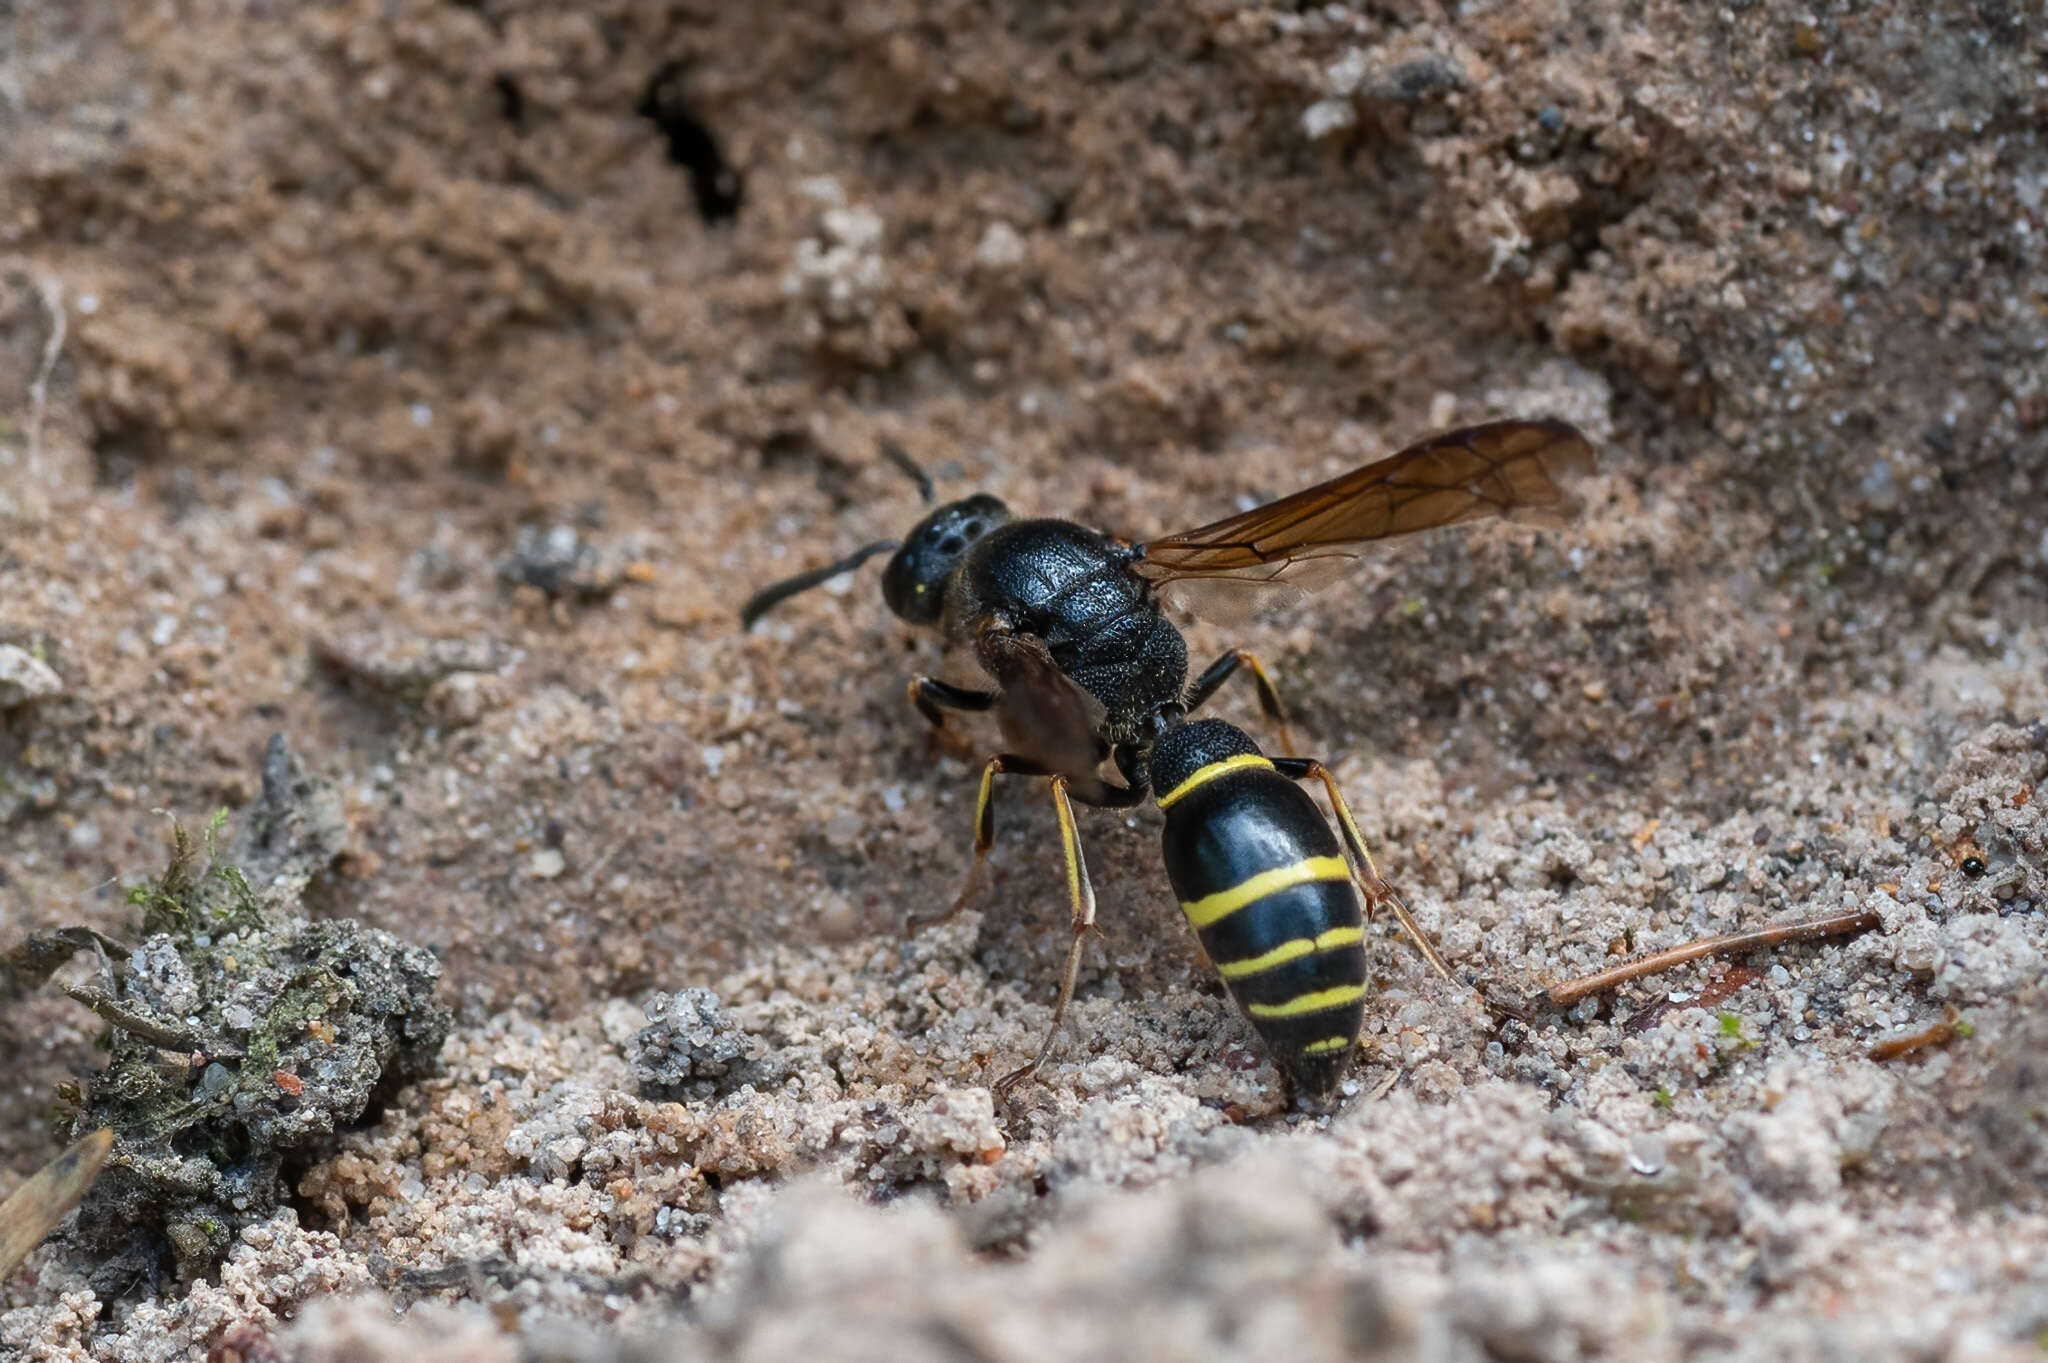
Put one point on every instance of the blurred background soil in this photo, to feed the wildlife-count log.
(429, 381)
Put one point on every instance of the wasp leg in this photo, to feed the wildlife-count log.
(1081, 896)
(1009, 764)
(984, 837)
(933, 698)
(1845, 924)
(1370, 883)
(1216, 673)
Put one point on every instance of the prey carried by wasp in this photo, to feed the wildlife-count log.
(1084, 669)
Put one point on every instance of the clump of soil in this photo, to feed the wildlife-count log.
(242, 1036)
(688, 1048)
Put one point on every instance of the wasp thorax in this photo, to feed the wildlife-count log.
(914, 583)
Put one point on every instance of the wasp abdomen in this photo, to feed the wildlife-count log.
(1264, 883)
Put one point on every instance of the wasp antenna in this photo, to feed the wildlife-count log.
(768, 598)
(900, 457)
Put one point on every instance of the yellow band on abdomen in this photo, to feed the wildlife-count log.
(1204, 775)
(1314, 1002)
(1215, 907)
(1292, 950)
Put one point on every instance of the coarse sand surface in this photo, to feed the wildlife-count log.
(429, 382)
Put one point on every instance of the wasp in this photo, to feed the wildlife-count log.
(1084, 669)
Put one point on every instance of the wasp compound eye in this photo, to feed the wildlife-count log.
(914, 582)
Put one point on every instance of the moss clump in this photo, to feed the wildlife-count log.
(243, 1033)
(183, 901)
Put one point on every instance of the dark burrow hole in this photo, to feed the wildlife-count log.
(511, 101)
(121, 449)
(714, 183)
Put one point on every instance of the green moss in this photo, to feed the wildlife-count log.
(184, 901)
(166, 902)
(230, 988)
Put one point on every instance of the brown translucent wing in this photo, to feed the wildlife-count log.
(1504, 468)
(1043, 713)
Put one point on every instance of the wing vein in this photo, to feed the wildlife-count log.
(1498, 469)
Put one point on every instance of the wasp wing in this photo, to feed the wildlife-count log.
(1043, 714)
(1506, 469)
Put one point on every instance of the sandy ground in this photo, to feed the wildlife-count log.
(373, 374)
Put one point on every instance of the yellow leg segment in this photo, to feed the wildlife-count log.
(984, 839)
(1370, 884)
(1081, 898)
(1220, 671)
(1269, 698)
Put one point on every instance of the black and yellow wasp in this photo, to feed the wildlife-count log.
(1084, 668)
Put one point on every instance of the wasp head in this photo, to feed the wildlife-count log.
(914, 582)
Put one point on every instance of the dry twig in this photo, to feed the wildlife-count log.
(39, 1204)
(52, 292)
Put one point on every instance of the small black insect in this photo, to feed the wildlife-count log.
(1085, 668)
